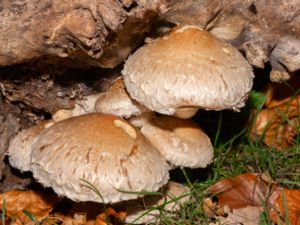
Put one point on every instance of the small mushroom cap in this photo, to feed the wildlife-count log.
(182, 142)
(85, 105)
(20, 147)
(174, 195)
(189, 67)
(117, 101)
(104, 150)
(62, 114)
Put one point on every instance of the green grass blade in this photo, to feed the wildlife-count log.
(3, 211)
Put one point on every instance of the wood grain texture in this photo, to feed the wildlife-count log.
(94, 32)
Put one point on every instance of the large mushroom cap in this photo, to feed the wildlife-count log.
(104, 150)
(20, 147)
(182, 142)
(117, 101)
(188, 68)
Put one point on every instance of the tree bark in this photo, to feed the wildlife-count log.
(261, 29)
(90, 32)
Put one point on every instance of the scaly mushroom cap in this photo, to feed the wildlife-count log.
(117, 101)
(182, 142)
(104, 150)
(188, 68)
(20, 147)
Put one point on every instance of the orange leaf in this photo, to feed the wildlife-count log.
(280, 93)
(277, 126)
(288, 201)
(277, 123)
(39, 205)
(104, 217)
(89, 213)
(244, 190)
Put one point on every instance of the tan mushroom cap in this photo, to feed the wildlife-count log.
(185, 69)
(20, 147)
(182, 142)
(174, 195)
(117, 101)
(82, 106)
(104, 150)
(86, 105)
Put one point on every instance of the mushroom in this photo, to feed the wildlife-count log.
(117, 101)
(147, 209)
(83, 106)
(103, 150)
(20, 147)
(185, 70)
(181, 141)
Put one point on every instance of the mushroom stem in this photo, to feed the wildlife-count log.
(186, 113)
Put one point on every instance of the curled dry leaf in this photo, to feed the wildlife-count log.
(277, 124)
(244, 190)
(241, 192)
(287, 202)
(243, 196)
(37, 204)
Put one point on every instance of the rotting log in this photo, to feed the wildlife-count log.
(104, 32)
(9, 126)
(90, 32)
(266, 31)
(46, 88)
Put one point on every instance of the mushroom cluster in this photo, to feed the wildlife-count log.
(125, 140)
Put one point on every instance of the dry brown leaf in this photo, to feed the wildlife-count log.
(252, 190)
(288, 200)
(247, 216)
(89, 213)
(38, 204)
(280, 93)
(211, 209)
(244, 190)
(277, 126)
(103, 217)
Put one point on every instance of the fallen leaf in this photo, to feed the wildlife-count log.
(249, 215)
(211, 209)
(37, 204)
(247, 193)
(89, 213)
(244, 190)
(288, 202)
(280, 93)
(277, 124)
(104, 217)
